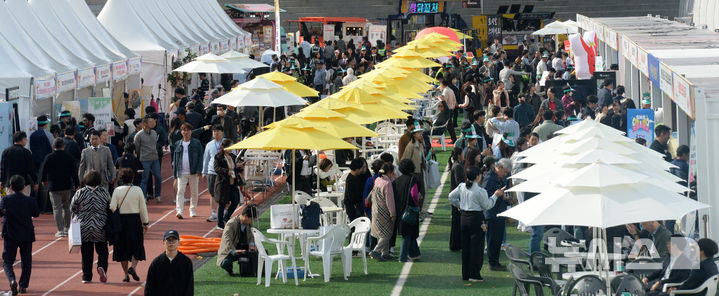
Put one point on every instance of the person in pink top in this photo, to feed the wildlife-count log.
(383, 213)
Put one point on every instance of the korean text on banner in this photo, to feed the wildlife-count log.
(45, 87)
(85, 77)
(119, 71)
(328, 32)
(65, 81)
(134, 66)
(102, 73)
(683, 94)
(7, 117)
(102, 109)
(640, 124)
(653, 69)
(666, 80)
(642, 60)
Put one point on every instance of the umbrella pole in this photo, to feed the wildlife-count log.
(274, 114)
(606, 271)
(261, 121)
(364, 150)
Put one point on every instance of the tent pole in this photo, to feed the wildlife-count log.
(606, 271)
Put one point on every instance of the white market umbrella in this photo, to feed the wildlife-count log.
(267, 56)
(210, 63)
(242, 60)
(555, 28)
(259, 92)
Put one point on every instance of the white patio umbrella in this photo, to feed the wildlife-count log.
(210, 63)
(259, 92)
(267, 56)
(555, 28)
(242, 60)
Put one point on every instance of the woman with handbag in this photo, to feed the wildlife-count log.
(383, 213)
(90, 205)
(227, 194)
(471, 199)
(129, 202)
(406, 195)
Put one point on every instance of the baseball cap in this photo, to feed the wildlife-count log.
(171, 233)
(417, 128)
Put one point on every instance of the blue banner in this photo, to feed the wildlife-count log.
(653, 69)
(7, 116)
(640, 124)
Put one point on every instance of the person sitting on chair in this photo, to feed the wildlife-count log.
(674, 270)
(440, 122)
(238, 244)
(707, 267)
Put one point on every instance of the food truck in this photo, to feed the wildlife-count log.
(510, 28)
(336, 28)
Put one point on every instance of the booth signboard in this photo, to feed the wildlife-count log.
(640, 124)
(600, 76)
(7, 119)
(12, 93)
(102, 73)
(666, 83)
(377, 33)
(85, 77)
(653, 69)
(328, 32)
(102, 109)
(119, 71)
(45, 87)
(642, 60)
(494, 30)
(683, 94)
(65, 81)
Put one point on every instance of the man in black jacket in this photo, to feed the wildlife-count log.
(170, 273)
(72, 147)
(707, 268)
(674, 270)
(16, 160)
(58, 170)
(18, 232)
(227, 121)
(663, 133)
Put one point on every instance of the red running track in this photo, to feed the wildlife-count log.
(57, 272)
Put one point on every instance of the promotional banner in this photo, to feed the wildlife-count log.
(666, 80)
(65, 81)
(653, 69)
(7, 118)
(204, 49)
(134, 66)
(640, 124)
(45, 87)
(85, 77)
(683, 94)
(377, 33)
(102, 73)
(102, 109)
(642, 60)
(119, 71)
(328, 32)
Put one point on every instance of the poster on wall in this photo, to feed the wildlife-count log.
(267, 34)
(101, 107)
(640, 124)
(7, 119)
(328, 32)
(377, 33)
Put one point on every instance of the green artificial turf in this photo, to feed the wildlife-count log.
(437, 273)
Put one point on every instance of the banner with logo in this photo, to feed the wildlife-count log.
(119, 71)
(102, 109)
(85, 77)
(45, 87)
(683, 94)
(65, 81)
(102, 73)
(134, 66)
(653, 69)
(640, 124)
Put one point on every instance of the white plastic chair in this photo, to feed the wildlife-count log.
(302, 197)
(362, 226)
(710, 285)
(441, 137)
(266, 260)
(332, 245)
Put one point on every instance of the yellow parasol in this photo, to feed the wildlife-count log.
(361, 96)
(336, 125)
(461, 35)
(290, 84)
(381, 92)
(426, 51)
(409, 62)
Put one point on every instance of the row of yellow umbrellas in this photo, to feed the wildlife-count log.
(378, 95)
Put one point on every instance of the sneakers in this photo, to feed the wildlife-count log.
(193, 213)
(477, 280)
(60, 234)
(415, 258)
(387, 257)
(212, 218)
(179, 216)
(376, 255)
(158, 199)
(219, 228)
(101, 273)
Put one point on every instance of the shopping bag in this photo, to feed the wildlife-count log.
(432, 174)
(74, 237)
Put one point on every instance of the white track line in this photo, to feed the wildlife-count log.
(38, 251)
(397, 290)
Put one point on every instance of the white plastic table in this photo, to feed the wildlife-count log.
(302, 234)
(335, 196)
(331, 212)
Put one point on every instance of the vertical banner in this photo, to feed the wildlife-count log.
(119, 71)
(653, 69)
(7, 119)
(640, 124)
(134, 65)
(683, 94)
(102, 73)
(102, 109)
(136, 102)
(377, 33)
(278, 42)
(642, 62)
(328, 32)
(73, 107)
(666, 80)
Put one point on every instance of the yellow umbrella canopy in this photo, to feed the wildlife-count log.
(409, 62)
(437, 38)
(290, 84)
(461, 35)
(336, 126)
(425, 51)
(359, 95)
(383, 90)
(295, 135)
(360, 114)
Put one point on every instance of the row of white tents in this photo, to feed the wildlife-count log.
(57, 50)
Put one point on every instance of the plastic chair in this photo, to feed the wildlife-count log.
(266, 260)
(333, 242)
(559, 236)
(539, 264)
(302, 197)
(523, 281)
(710, 285)
(362, 226)
(627, 284)
(587, 285)
(441, 136)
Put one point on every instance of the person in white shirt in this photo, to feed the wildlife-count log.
(542, 66)
(557, 62)
(208, 166)
(506, 125)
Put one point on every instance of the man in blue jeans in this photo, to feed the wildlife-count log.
(145, 143)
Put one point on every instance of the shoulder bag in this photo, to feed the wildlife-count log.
(113, 225)
(411, 213)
